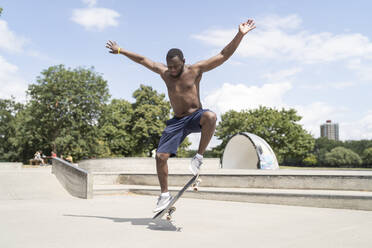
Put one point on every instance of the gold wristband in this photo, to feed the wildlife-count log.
(119, 50)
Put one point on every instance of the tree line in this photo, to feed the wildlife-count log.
(69, 112)
(349, 153)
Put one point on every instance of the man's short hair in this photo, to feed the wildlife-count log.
(174, 52)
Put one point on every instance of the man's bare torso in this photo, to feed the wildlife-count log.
(183, 91)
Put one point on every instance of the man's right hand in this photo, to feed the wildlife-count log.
(112, 46)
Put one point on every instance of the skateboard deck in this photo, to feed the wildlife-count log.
(170, 208)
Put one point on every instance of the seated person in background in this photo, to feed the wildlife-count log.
(53, 154)
(37, 157)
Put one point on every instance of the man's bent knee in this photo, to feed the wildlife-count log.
(162, 157)
(208, 117)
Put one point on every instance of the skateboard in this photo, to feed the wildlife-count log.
(170, 209)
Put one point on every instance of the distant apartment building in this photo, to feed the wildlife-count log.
(329, 130)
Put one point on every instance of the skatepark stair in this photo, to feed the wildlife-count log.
(332, 189)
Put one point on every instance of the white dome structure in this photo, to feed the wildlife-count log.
(248, 151)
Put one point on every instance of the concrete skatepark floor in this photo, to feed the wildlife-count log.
(48, 220)
(125, 221)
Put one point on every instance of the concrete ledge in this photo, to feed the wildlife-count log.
(309, 198)
(142, 164)
(357, 181)
(10, 166)
(76, 181)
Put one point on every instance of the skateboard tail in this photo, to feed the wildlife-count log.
(173, 201)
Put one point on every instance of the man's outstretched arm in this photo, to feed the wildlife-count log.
(154, 66)
(225, 54)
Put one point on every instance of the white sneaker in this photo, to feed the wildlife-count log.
(195, 165)
(162, 203)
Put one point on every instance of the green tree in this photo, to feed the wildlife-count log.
(151, 111)
(1, 10)
(116, 124)
(342, 157)
(357, 146)
(322, 146)
(367, 156)
(25, 140)
(8, 116)
(182, 151)
(207, 154)
(63, 112)
(290, 142)
(310, 160)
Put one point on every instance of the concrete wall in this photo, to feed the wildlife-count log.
(10, 166)
(143, 164)
(361, 181)
(78, 182)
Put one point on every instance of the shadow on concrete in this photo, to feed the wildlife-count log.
(157, 225)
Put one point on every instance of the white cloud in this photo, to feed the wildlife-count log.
(285, 40)
(10, 83)
(342, 85)
(277, 22)
(316, 113)
(9, 41)
(330, 85)
(42, 56)
(95, 18)
(281, 75)
(272, 39)
(240, 96)
(90, 3)
(363, 70)
(360, 129)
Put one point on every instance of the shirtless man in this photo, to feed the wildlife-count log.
(182, 82)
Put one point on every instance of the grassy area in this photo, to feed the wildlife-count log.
(320, 168)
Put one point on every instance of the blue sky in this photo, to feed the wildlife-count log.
(314, 56)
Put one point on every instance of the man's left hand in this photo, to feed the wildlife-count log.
(247, 26)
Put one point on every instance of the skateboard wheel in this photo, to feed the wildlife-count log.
(170, 212)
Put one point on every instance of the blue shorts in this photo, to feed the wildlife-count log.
(177, 129)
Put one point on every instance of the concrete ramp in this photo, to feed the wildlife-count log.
(31, 184)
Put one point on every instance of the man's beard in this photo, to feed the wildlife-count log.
(178, 75)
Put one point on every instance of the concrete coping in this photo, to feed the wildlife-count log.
(255, 172)
(244, 190)
(74, 166)
(142, 158)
